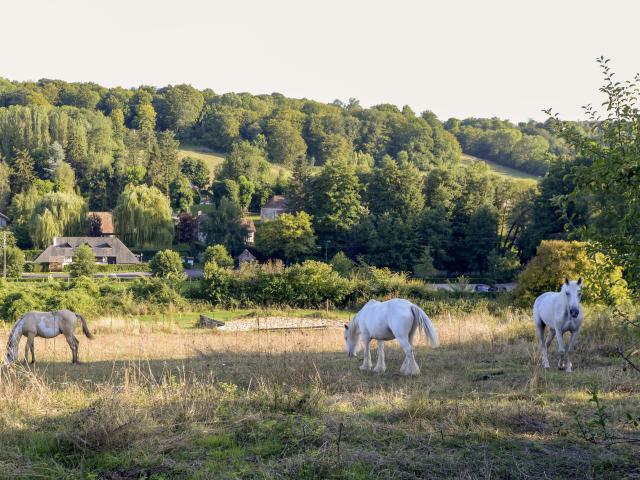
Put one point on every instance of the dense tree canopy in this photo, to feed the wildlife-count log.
(382, 184)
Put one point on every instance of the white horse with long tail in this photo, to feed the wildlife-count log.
(561, 312)
(383, 321)
(46, 325)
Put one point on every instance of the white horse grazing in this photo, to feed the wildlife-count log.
(46, 325)
(561, 312)
(383, 321)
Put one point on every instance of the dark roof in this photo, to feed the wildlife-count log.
(101, 246)
(248, 224)
(2, 215)
(246, 256)
(277, 201)
(106, 221)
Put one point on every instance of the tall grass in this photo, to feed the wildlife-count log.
(164, 403)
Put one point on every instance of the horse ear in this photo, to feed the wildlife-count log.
(566, 280)
(580, 281)
(346, 327)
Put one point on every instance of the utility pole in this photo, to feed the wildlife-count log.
(4, 254)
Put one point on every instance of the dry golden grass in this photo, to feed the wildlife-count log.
(157, 402)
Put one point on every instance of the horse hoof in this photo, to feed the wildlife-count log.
(364, 367)
(378, 370)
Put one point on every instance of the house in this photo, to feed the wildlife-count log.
(274, 207)
(101, 224)
(4, 220)
(249, 230)
(245, 257)
(107, 251)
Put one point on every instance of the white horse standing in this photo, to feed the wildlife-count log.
(561, 312)
(383, 321)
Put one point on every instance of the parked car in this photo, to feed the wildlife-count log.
(481, 288)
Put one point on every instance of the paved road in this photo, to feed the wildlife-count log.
(97, 275)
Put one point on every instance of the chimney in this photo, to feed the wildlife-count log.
(55, 241)
(199, 212)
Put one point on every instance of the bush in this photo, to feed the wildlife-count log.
(216, 283)
(342, 264)
(218, 254)
(15, 262)
(557, 259)
(84, 262)
(166, 263)
(157, 291)
(17, 304)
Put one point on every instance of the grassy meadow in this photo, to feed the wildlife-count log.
(503, 170)
(212, 159)
(159, 399)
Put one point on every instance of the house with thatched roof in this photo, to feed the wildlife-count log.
(109, 250)
(275, 206)
(101, 224)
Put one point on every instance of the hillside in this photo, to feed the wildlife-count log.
(502, 170)
(213, 159)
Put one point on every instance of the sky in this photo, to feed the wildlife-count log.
(457, 58)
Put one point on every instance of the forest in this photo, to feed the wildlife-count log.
(382, 186)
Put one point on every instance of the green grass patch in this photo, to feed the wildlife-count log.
(502, 170)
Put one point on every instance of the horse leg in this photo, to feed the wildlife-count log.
(71, 340)
(543, 347)
(570, 347)
(409, 366)
(77, 343)
(380, 366)
(366, 363)
(29, 348)
(561, 363)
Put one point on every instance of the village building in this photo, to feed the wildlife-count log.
(249, 230)
(245, 257)
(108, 250)
(105, 222)
(275, 206)
(4, 221)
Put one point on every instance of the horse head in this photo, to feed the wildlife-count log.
(572, 291)
(351, 338)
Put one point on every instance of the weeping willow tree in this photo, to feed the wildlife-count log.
(45, 228)
(56, 214)
(143, 217)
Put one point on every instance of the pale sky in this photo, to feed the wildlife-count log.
(483, 58)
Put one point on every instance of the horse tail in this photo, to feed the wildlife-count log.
(12, 341)
(85, 328)
(425, 324)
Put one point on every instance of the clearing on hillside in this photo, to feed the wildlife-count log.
(213, 159)
(502, 170)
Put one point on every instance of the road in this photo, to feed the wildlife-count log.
(97, 275)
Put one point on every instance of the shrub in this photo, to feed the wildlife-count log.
(15, 262)
(84, 262)
(166, 263)
(216, 283)
(342, 264)
(312, 283)
(17, 304)
(218, 254)
(557, 259)
(157, 291)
